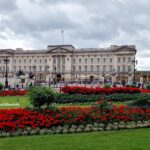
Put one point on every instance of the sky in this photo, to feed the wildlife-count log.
(34, 24)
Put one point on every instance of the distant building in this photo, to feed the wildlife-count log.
(65, 62)
(142, 76)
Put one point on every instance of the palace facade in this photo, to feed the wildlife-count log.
(65, 62)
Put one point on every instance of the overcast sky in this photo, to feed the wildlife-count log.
(34, 24)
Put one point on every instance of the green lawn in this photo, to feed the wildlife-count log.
(138, 139)
(23, 101)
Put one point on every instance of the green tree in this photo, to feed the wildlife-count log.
(40, 96)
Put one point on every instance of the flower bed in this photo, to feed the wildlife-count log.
(70, 119)
(145, 90)
(14, 93)
(97, 90)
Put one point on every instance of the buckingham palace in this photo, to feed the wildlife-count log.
(67, 63)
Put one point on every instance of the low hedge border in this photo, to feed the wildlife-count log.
(78, 129)
(79, 98)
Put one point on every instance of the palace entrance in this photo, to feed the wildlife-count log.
(58, 77)
(91, 78)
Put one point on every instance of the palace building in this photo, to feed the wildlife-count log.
(65, 62)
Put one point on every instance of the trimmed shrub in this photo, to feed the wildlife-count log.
(141, 103)
(148, 86)
(40, 96)
(104, 105)
(79, 98)
(107, 86)
(1, 86)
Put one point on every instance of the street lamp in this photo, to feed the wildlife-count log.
(76, 75)
(113, 74)
(134, 63)
(47, 70)
(6, 60)
(40, 78)
(54, 75)
(34, 67)
(103, 74)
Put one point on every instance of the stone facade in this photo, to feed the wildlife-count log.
(65, 62)
(142, 76)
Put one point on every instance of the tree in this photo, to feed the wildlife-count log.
(40, 96)
(31, 75)
(20, 72)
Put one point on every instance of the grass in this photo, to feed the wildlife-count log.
(23, 101)
(137, 139)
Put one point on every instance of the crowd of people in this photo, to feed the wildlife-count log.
(94, 83)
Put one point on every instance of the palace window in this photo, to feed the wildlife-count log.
(110, 68)
(74, 61)
(110, 60)
(85, 60)
(104, 60)
(24, 68)
(118, 59)
(129, 59)
(14, 61)
(104, 68)
(45, 61)
(46, 68)
(15, 69)
(92, 60)
(129, 68)
(92, 68)
(30, 68)
(80, 60)
(118, 68)
(124, 59)
(40, 68)
(74, 68)
(80, 68)
(85, 68)
(123, 68)
(98, 68)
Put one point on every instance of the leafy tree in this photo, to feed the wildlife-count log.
(20, 72)
(1, 86)
(31, 75)
(148, 86)
(40, 96)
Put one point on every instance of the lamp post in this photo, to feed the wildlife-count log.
(76, 76)
(40, 78)
(103, 74)
(55, 71)
(34, 75)
(54, 76)
(134, 63)
(6, 60)
(113, 74)
(49, 83)
(47, 70)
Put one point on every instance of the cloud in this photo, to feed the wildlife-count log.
(6, 6)
(38, 23)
